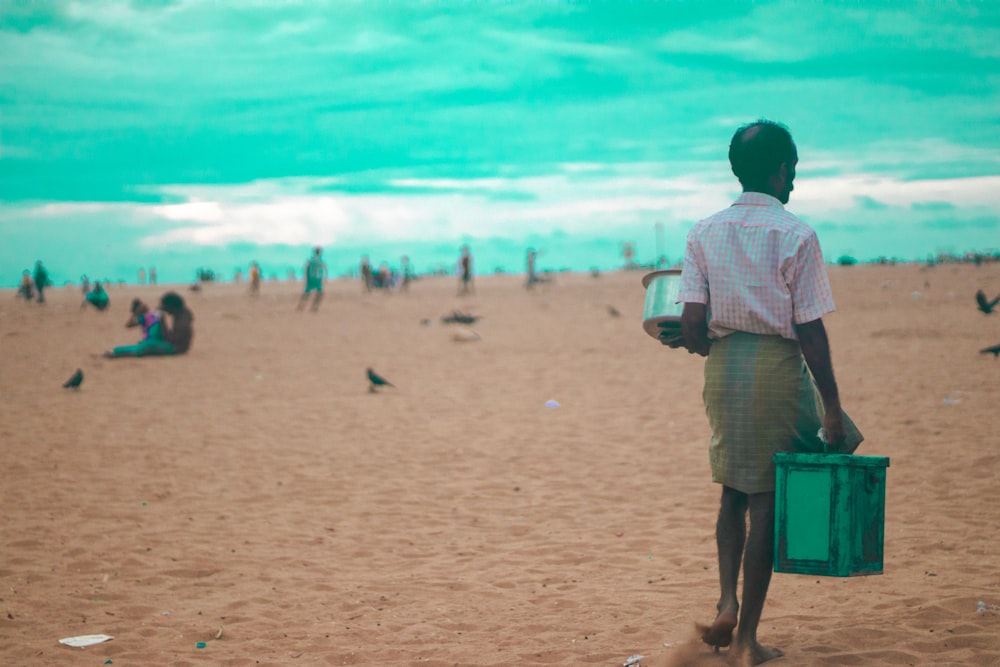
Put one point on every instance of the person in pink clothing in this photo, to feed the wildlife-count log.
(755, 290)
(143, 317)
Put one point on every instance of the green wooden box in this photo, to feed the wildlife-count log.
(829, 515)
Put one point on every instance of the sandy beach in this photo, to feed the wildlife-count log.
(251, 503)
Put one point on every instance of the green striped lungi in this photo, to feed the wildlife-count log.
(761, 399)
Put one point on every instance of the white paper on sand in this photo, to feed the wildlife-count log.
(85, 640)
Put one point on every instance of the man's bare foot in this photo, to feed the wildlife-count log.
(755, 654)
(720, 633)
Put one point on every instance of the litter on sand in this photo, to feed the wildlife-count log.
(85, 640)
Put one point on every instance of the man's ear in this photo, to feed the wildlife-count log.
(779, 178)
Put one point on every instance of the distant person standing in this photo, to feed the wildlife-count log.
(26, 290)
(406, 273)
(85, 284)
(152, 275)
(142, 276)
(532, 276)
(315, 275)
(383, 280)
(254, 278)
(41, 280)
(367, 279)
(465, 272)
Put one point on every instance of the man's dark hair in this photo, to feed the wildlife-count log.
(758, 150)
(172, 302)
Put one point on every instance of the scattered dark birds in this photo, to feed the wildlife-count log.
(995, 351)
(613, 312)
(986, 305)
(75, 380)
(376, 381)
(457, 317)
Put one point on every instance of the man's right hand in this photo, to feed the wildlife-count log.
(671, 337)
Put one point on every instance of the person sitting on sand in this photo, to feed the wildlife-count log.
(96, 297)
(159, 339)
(181, 330)
(143, 317)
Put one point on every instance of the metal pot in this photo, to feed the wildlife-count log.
(662, 288)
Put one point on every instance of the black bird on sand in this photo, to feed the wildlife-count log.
(985, 304)
(995, 351)
(75, 380)
(613, 312)
(457, 317)
(377, 381)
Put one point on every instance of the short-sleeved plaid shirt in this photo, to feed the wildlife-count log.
(757, 267)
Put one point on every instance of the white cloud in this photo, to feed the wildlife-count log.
(192, 211)
(578, 203)
(838, 193)
(283, 220)
(591, 201)
(72, 208)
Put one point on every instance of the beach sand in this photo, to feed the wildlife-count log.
(255, 488)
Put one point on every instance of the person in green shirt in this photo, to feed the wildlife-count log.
(96, 297)
(315, 275)
(41, 280)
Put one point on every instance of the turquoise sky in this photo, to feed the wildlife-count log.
(186, 134)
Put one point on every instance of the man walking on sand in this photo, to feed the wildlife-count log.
(755, 290)
(41, 280)
(315, 275)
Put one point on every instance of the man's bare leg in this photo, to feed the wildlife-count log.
(757, 566)
(730, 535)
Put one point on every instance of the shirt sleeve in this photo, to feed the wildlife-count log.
(694, 283)
(809, 285)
